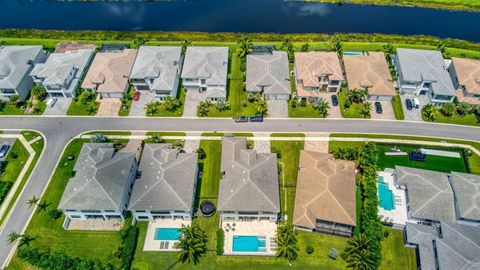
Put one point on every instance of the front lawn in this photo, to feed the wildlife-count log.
(353, 111)
(14, 162)
(84, 105)
(160, 110)
(303, 111)
(126, 102)
(398, 108)
(11, 109)
(395, 256)
(468, 119)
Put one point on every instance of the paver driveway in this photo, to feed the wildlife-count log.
(414, 114)
(277, 108)
(192, 99)
(109, 107)
(138, 107)
(59, 108)
(387, 111)
(334, 111)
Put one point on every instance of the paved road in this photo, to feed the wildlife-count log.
(59, 130)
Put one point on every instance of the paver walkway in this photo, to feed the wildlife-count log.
(191, 145)
(316, 146)
(262, 146)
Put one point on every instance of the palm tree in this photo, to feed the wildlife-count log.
(32, 201)
(245, 46)
(287, 45)
(305, 47)
(361, 260)
(355, 244)
(442, 48)
(171, 103)
(429, 112)
(251, 97)
(151, 108)
(13, 237)
(38, 92)
(287, 242)
(448, 109)
(185, 43)
(192, 244)
(366, 109)
(336, 45)
(322, 107)
(464, 108)
(222, 105)
(203, 108)
(357, 95)
(261, 107)
(139, 41)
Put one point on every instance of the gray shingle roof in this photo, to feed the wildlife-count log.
(269, 71)
(207, 62)
(467, 194)
(59, 65)
(101, 179)
(429, 194)
(14, 64)
(420, 65)
(167, 181)
(250, 182)
(457, 246)
(159, 62)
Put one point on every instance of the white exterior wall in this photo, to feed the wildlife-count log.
(236, 216)
(148, 215)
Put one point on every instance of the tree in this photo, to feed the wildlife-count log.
(201, 153)
(442, 48)
(245, 46)
(155, 139)
(362, 260)
(171, 104)
(39, 92)
(287, 242)
(366, 109)
(429, 112)
(336, 45)
(448, 109)
(464, 108)
(192, 244)
(185, 43)
(139, 41)
(32, 201)
(99, 138)
(13, 237)
(261, 107)
(203, 108)
(305, 47)
(251, 97)
(322, 107)
(151, 108)
(355, 244)
(14, 100)
(222, 105)
(389, 49)
(357, 95)
(287, 45)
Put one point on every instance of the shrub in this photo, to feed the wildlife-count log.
(128, 246)
(54, 213)
(303, 102)
(13, 155)
(293, 103)
(386, 234)
(220, 241)
(309, 249)
(201, 153)
(333, 253)
(99, 138)
(177, 144)
(4, 189)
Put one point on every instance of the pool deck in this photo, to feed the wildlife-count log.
(397, 216)
(251, 228)
(94, 225)
(156, 245)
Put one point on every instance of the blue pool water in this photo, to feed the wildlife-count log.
(352, 54)
(385, 195)
(243, 243)
(167, 234)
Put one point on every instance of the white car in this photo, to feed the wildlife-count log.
(416, 103)
(51, 102)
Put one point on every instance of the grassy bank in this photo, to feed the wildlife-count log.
(470, 5)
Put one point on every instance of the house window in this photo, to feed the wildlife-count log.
(142, 217)
(109, 211)
(140, 211)
(75, 216)
(7, 91)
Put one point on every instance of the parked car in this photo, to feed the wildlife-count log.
(51, 102)
(334, 100)
(136, 96)
(241, 119)
(416, 103)
(4, 150)
(256, 118)
(378, 107)
(409, 104)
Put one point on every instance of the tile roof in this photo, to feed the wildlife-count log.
(206, 62)
(467, 194)
(270, 72)
(468, 73)
(14, 64)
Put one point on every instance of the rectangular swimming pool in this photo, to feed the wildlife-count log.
(244, 243)
(352, 53)
(385, 195)
(167, 234)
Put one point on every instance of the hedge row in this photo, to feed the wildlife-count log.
(4, 189)
(220, 241)
(129, 245)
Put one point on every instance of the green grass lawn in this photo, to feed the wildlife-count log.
(161, 112)
(13, 166)
(236, 94)
(302, 135)
(303, 111)
(159, 133)
(125, 107)
(49, 233)
(468, 120)
(237, 134)
(210, 183)
(353, 111)
(395, 256)
(398, 108)
(10, 109)
(472, 5)
(77, 108)
(106, 133)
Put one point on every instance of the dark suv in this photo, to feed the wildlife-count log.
(241, 119)
(378, 107)
(334, 100)
(409, 104)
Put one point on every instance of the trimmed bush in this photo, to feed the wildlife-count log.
(220, 241)
(309, 249)
(129, 245)
(54, 213)
(4, 189)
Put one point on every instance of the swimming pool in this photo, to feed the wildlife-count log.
(167, 234)
(352, 53)
(243, 243)
(385, 195)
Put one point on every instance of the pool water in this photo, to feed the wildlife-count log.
(353, 54)
(167, 234)
(385, 195)
(242, 243)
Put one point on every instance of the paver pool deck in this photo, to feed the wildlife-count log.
(155, 245)
(251, 228)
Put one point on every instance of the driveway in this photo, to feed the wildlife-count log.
(334, 111)
(109, 107)
(277, 108)
(138, 107)
(59, 108)
(192, 99)
(262, 146)
(387, 111)
(414, 114)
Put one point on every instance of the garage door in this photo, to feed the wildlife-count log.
(277, 97)
(380, 98)
(112, 95)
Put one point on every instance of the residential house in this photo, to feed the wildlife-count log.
(422, 72)
(108, 73)
(444, 246)
(101, 184)
(325, 197)
(166, 184)
(465, 74)
(62, 72)
(249, 188)
(317, 72)
(205, 70)
(466, 190)
(268, 74)
(370, 72)
(16, 62)
(157, 69)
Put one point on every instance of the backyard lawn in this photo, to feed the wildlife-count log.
(395, 256)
